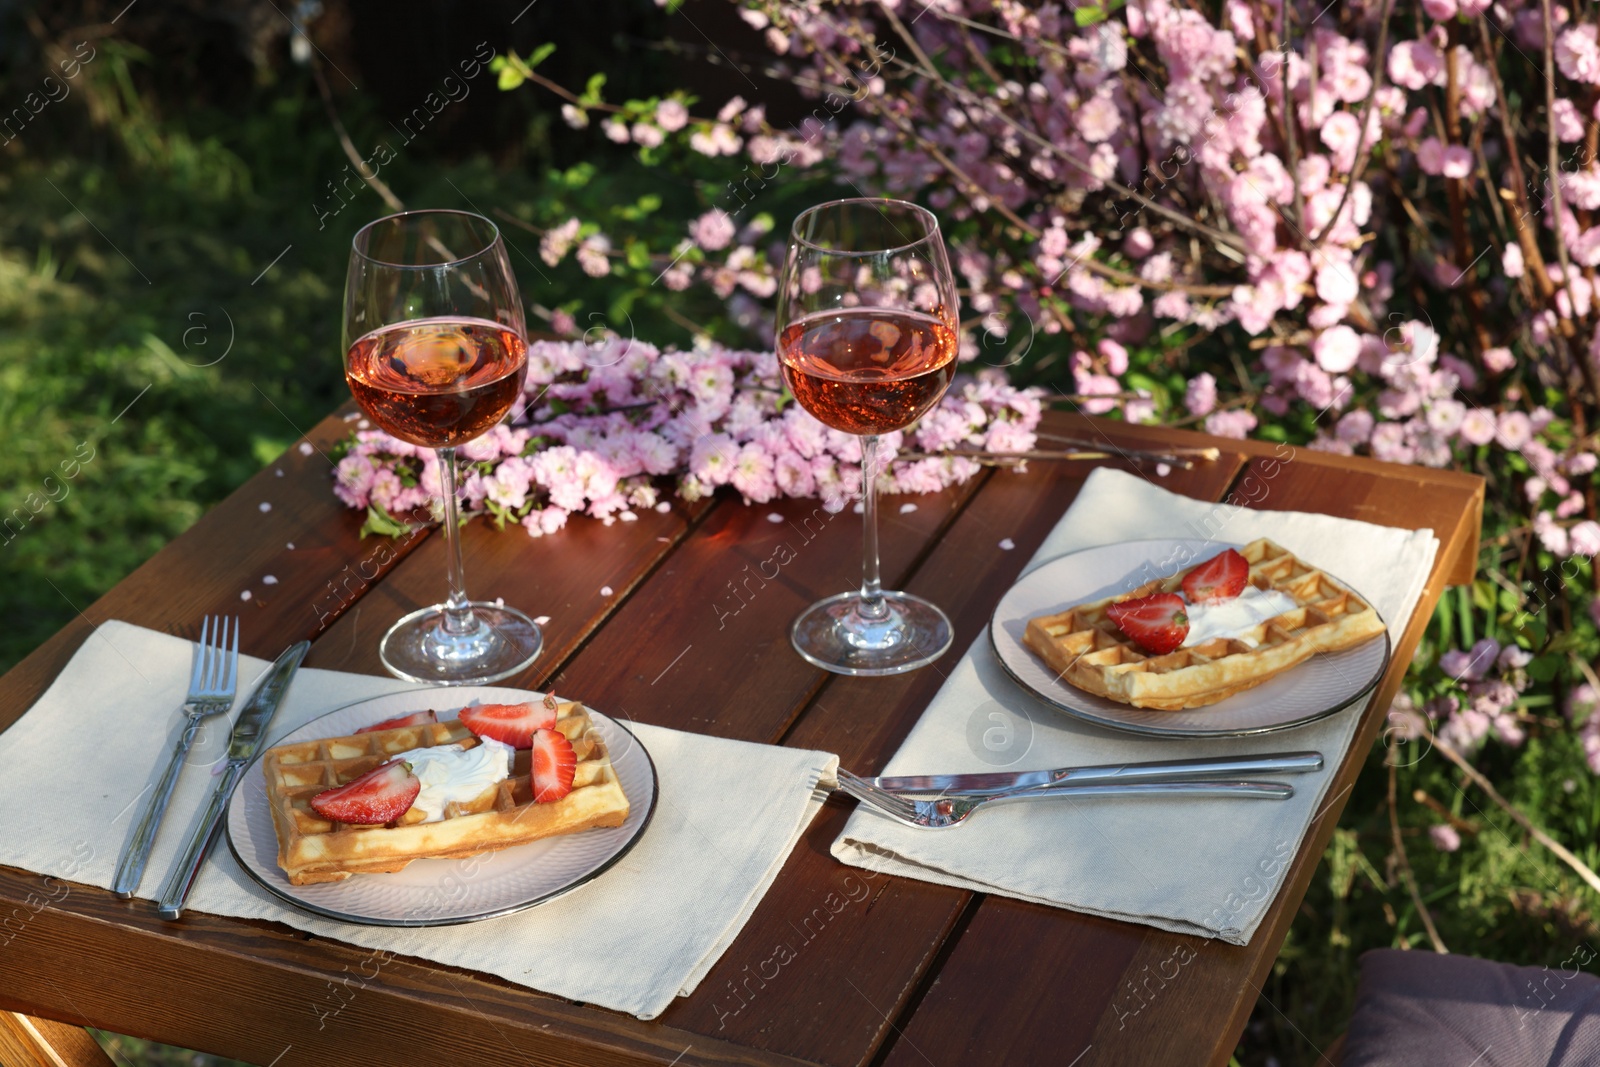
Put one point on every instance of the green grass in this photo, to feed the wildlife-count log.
(131, 1050)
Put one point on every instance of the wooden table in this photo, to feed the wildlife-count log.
(908, 973)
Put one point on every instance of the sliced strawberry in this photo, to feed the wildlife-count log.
(381, 795)
(1156, 623)
(1222, 577)
(554, 764)
(416, 718)
(510, 724)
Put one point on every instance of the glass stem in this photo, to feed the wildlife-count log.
(872, 605)
(458, 617)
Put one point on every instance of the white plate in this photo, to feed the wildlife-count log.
(444, 892)
(1318, 687)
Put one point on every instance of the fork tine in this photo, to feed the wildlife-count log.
(197, 673)
(219, 637)
(232, 682)
(878, 798)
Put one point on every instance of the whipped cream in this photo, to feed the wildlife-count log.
(1231, 618)
(452, 773)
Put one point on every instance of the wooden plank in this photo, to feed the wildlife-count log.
(1134, 994)
(232, 550)
(885, 941)
(258, 992)
(26, 1041)
(563, 576)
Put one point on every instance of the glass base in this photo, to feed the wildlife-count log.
(833, 635)
(503, 642)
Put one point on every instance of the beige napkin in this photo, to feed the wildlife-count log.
(649, 929)
(1196, 865)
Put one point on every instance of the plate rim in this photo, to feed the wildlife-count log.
(452, 920)
(1142, 730)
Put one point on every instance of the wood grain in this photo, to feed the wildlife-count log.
(26, 1041)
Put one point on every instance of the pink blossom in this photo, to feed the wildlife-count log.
(1443, 835)
(1415, 64)
(1578, 55)
(556, 242)
(752, 474)
(1584, 538)
(646, 135)
(1478, 426)
(1336, 283)
(1355, 427)
(1554, 538)
(713, 230)
(1430, 156)
(1470, 666)
(1201, 396)
(792, 474)
(1096, 386)
(1115, 355)
(1566, 121)
(1498, 360)
(1445, 415)
(1236, 423)
(1444, 11)
(1465, 730)
(1337, 349)
(671, 115)
(1389, 443)
(1341, 133)
(1456, 161)
(712, 458)
(592, 256)
(1192, 47)
(1514, 430)
(353, 479)
(1098, 119)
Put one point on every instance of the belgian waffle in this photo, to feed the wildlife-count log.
(1085, 648)
(313, 849)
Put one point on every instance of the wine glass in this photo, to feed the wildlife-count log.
(867, 339)
(435, 353)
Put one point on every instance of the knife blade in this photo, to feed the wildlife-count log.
(249, 730)
(983, 783)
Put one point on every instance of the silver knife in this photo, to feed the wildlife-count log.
(249, 730)
(984, 783)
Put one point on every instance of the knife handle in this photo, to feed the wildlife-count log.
(176, 892)
(1205, 767)
(136, 853)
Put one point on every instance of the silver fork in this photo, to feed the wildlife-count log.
(212, 684)
(946, 811)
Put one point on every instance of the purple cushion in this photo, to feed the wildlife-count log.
(1421, 1009)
